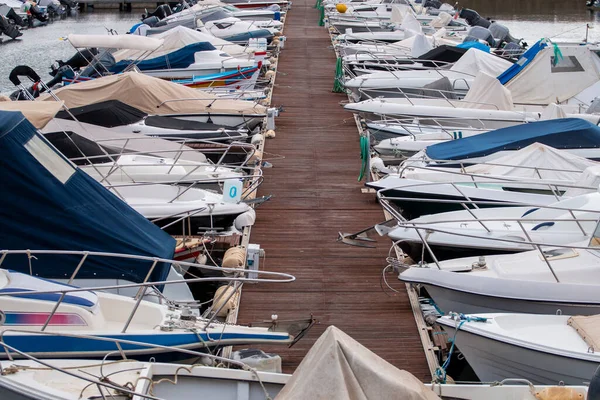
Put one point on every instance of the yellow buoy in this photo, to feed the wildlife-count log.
(341, 8)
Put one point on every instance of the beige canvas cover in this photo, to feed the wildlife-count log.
(488, 93)
(337, 367)
(39, 114)
(148, 94)
(588, 328)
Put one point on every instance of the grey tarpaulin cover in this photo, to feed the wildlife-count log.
(337, 367)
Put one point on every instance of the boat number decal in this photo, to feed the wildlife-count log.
(457, 135)
(232, 192)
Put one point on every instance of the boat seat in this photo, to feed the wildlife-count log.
(14, 282)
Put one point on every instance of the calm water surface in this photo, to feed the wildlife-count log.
(530, 19)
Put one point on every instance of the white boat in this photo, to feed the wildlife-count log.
(562, 280)
(536, 174)
(500, 229)
(458, 78)
(149, 169)
(46, 319)
(180, 210)
(544, 349)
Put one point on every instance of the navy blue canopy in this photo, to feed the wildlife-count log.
(565, 133)
(181, 58)
(46, 203)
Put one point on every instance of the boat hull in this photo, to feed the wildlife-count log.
(493, 361)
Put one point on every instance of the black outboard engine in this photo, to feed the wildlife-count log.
(594, 388)
(70, 5)
(9, 29)
(433, 4)
(79, 60)
(161, 12)
(478, 33)
(151, 21)
(11, 15)
(473, 18)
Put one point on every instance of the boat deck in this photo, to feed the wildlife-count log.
(316, 162)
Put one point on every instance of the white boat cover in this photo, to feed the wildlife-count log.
(542, 83)
(134, 42)
(123, 142)
(443, 19)
(420, 46)
(588, 328)
(399, 12)
(39, 114)
(590, 179)
(553, 111)
(521, 164)
(337, 367)
(177, 38)
(488, 93)
(475, 61)
(410, 26)
(148, 94)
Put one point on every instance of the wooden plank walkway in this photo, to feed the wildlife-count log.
(315, 195)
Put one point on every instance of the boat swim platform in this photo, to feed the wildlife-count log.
(316, 194)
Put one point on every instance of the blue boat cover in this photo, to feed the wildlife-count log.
(47, 203)
(522, 62)
(181, 58)
(565, 133)
(474, 44)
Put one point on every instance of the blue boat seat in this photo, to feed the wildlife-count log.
(16, 282)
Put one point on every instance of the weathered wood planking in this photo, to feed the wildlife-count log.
(315, 195)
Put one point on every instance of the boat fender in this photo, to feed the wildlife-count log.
(235, 257)
(270, 75)
(378, 165)
(224, 300)
(257, 139)
(270, 134)
(275, 41)
(245, 219)
(272, 60)
(594, 388)
(558, 392)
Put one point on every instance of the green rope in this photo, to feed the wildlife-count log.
(364, 156)
(321, 8)
(557, 54)
(317, 4)
(338, 86)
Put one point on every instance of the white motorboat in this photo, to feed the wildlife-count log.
(537, 174)
(500, 229)
(559, 280)
(149, 169)
(457, 79)
(544, 349)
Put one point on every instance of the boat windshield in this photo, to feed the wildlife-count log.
(595, 240)
(215, 16)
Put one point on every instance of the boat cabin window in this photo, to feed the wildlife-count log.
(223, 25)
(46, 155)
(558, 254)
(595, 240)
(565, 64)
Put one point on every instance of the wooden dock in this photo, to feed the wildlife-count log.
(316, 161)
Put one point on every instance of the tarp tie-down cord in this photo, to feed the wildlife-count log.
(440, 372)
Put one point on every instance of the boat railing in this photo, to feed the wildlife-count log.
(417, 164)
(411, 93)
(452, 126)
(211, 99)
(232, 276)
(103, 380)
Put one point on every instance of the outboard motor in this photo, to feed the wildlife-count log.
(479, 33)
(10, 14)
(9, 29)
(79, 60)
(594, 388)
(433, 4)
(473, 18)
(161, 12)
